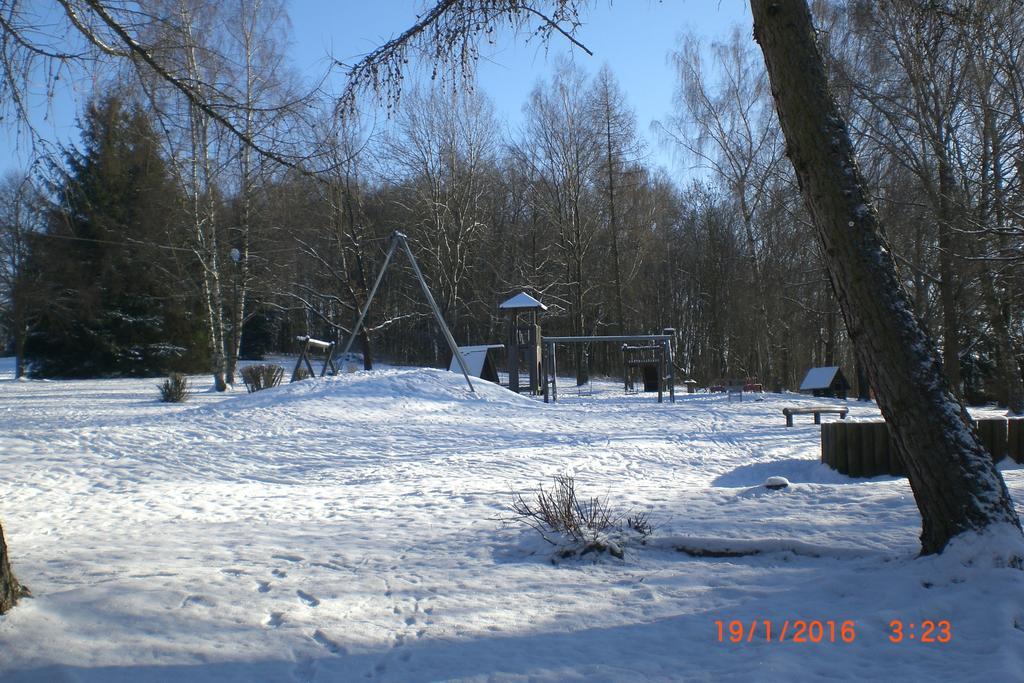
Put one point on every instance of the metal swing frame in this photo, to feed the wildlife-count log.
(666, 369)
(399, 239)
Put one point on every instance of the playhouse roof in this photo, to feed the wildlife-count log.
(475, 357)
(523, 300)
(819, 378)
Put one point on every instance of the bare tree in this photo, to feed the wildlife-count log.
(955, 483)
(256, 31)
(443, 155)
(726, 127)
(562, 143)
(620, 148)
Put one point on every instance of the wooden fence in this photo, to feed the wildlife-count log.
(864, 449)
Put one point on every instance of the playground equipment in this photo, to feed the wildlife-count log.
(479, 360)
(399, 239)
(523, 340)
(643, 361)
(309, 344)
(664, 368)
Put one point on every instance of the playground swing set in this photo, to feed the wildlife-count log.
(398, 239)
(647, 354)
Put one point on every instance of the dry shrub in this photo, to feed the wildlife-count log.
(301, 373)
(262, 376)
(577, 525)
(174, 389)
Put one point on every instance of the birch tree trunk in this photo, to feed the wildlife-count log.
(956, 486)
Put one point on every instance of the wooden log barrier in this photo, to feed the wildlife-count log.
(828, 448)
(864, 449)
(841, 457)
(992, 432)
(1015, 439)
(854, 453)
(879, 447)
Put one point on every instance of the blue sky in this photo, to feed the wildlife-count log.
(633, 36)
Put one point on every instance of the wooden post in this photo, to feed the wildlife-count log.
(854, 457)
(827, 444)
(513, 352)
(329, 361)
(869, 450)
(670, 366)
(880, 448)
(992, 432)
(303, 358)
(544, 372)
(553, 363)
(842, 461)
(1015, 439)
(661, 373)
(534, 354)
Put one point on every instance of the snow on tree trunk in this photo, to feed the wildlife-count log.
(956, 486)
(10, 589)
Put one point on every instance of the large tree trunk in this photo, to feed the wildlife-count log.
(956, 486)
(10, 589)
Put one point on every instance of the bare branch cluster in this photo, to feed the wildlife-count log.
(449, 36)
(589, 525)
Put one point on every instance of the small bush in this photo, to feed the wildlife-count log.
(578, 526)
(263, 376)
(174, 389)
(301, 373)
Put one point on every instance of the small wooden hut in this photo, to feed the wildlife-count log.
(827, 382)
(480, 360)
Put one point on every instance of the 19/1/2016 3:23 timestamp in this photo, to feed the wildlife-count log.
(791, 631)
(827, 631)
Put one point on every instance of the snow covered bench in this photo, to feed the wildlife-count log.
(816, 410)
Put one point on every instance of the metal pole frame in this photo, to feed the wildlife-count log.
(396, 239)
(666, 375)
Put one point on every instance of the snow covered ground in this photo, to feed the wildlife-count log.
(350, 528)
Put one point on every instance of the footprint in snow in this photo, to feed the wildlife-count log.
(279, 573)
(273, 620)
(289, 558)
(198, 600)
(263, 586)
(307, 598)
(328, 644)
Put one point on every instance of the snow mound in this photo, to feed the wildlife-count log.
(420, 384)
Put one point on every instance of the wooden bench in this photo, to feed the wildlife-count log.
(816, 410)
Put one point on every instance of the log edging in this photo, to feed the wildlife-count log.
(864, 449)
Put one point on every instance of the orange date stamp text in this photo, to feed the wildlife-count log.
(786, 631)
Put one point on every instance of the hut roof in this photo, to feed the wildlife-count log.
(475, 357)
(819, 378)
(523, 301)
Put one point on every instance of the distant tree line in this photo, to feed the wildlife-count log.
(160, 242)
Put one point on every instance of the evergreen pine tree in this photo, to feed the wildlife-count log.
(115, 303)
